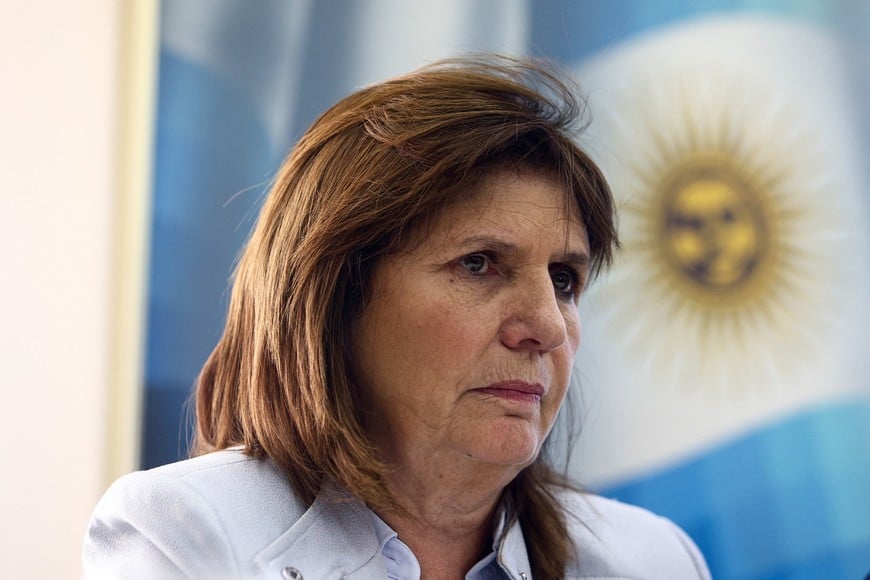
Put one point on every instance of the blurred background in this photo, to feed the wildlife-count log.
(723, 379)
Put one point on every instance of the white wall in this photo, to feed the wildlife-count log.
(60, 154)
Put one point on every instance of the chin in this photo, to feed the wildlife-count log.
(514, 445)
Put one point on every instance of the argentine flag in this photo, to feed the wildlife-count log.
(725, 376)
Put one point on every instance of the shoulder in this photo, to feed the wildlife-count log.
(189, 519)
(618, 540)
(234, 483)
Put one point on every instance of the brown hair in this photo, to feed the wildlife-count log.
(367, 174)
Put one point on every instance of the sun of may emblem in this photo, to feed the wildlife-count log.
(709, 215)
(725, 224)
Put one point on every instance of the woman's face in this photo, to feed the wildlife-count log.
(466, 345)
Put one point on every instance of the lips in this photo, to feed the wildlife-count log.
(516, 391)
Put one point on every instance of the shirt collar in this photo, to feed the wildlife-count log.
(400, 561)
(508, 547)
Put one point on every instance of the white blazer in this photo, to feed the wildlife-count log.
(228, 516)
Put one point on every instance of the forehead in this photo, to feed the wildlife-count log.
(513, 202)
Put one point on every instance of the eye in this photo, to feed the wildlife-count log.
(565, 280)
(477, 264)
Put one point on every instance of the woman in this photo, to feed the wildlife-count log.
(399, 342)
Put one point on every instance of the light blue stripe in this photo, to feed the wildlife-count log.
(788, 501)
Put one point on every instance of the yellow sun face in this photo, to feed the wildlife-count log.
(712, 229)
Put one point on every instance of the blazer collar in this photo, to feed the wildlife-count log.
(511, 551)
(335, 538)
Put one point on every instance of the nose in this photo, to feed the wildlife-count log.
(534, 319)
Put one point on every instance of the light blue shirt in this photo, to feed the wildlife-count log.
(402, 564)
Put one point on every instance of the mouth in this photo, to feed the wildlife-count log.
(515, 391)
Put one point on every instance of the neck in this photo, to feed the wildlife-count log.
(447, 513)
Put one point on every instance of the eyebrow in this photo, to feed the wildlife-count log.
(500, 246)
(579, 260)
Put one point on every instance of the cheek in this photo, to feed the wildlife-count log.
(564, 358)
(574, 331)
(424, 341)
(445, 338)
